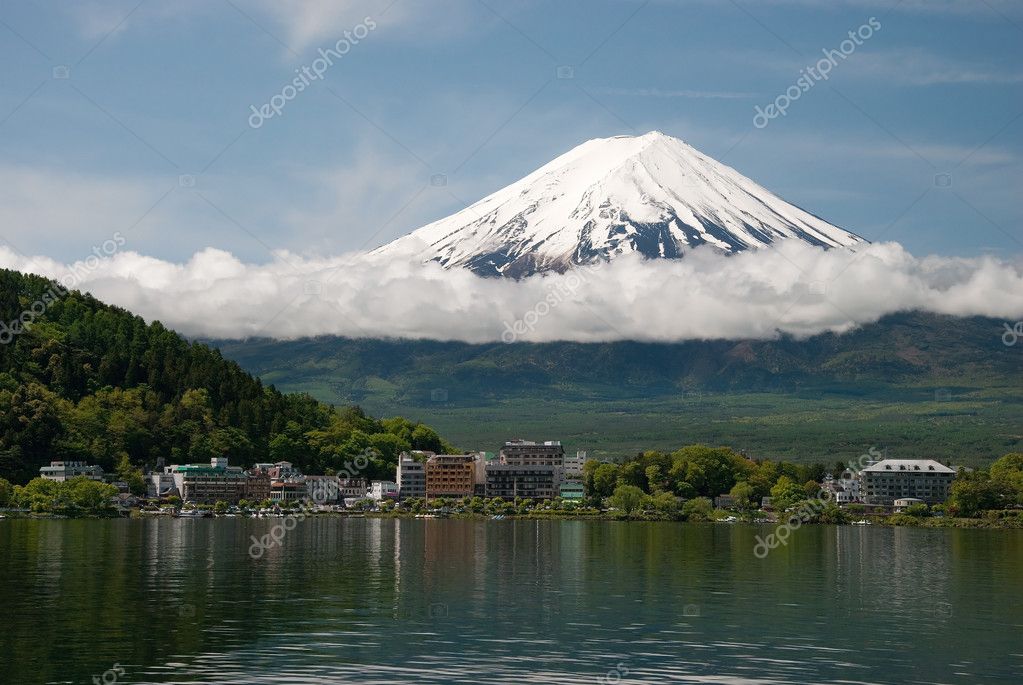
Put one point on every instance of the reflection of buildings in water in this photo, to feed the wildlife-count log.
(469, 567)
(894, 570)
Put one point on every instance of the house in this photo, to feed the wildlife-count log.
(904, 503)
(61, 471)
(724, 501)
(892, 479)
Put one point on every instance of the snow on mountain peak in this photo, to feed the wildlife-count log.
(651, 194)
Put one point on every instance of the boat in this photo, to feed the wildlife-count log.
(190, 514)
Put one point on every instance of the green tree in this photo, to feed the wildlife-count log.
(626, 498)
(605, 478)
(743, 495)
(6, 493)
(131, 475)
(785, 493)
(666, 503)
(699, 509)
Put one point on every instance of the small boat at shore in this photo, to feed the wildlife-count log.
(191, 514)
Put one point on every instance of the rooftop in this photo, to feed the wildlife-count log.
(904, 465)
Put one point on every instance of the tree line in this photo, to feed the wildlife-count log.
(92, 382)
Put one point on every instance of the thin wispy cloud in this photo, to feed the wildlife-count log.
(673, 93)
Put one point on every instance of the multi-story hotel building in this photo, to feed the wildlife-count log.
(892, 479)
(509, 481)
(452, 475)
(528, 453)
(208, 484)
(410, 477)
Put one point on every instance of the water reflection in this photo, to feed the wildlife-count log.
(385, 601)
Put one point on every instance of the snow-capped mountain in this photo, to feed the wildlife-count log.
(651, 194)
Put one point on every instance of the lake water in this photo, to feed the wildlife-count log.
(442, 601)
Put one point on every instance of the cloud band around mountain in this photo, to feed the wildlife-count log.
(789, 288)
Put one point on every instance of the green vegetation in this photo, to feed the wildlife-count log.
(701, 471)
(993, 489)
(92, 382)
(921, 385)
(73, 497)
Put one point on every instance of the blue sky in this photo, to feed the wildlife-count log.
(133, 117)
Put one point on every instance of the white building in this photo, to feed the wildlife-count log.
(844, 489)
(574, 464)
(410, 477)
(61, 471)
(383, 489)
(892, 479)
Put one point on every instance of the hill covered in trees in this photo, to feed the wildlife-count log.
(85, 380)
(920, 384)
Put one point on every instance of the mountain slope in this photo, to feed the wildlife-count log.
(93, 382)
(921, 384)
(652, 194)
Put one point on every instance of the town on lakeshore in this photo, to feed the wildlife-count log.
(527, 477)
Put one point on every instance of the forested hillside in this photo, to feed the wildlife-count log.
(90, 381)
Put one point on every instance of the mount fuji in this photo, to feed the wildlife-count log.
(651, 194)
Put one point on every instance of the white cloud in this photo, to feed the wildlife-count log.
(794, 288)
(915, 67)
(673, 93)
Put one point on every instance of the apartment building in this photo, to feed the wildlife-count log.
(892, 479)
(410, 476)
(452, 475)
(509, 481)
(529, 453)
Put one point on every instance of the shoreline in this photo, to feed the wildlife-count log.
(893, 521)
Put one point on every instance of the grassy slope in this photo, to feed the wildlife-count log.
(919, 384)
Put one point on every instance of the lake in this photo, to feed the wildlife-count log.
(445, 601)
